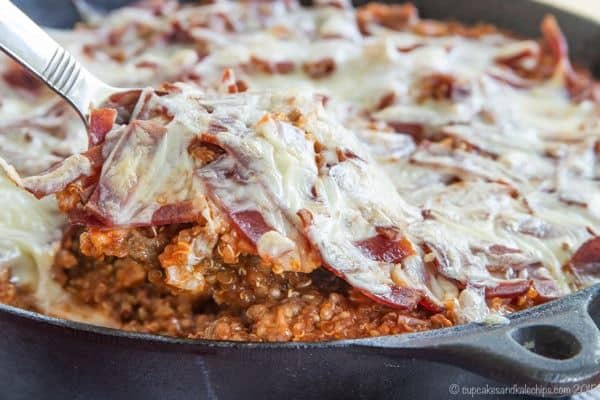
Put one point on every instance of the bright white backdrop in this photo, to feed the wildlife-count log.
(589, 8)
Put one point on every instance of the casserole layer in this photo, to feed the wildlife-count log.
(446, 173)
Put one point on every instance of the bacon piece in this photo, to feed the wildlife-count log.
(428, 27)
(500, 249)
(396, 16)
(203, 152)
(305, 217)
(146, 64)
(229, 84)
(241, 86)
(251, 224)
(409, 48)
(174, 213)
(93, 154)
(580, 85)
(179, 33)
(383, 248)
(319, 69)
(513, 70)
(508, 289)
(414, 130)
(401, 297)
(517, 56)
(385, 101)
(345, 154)
(554, 39)
(81, 217)
(406, 298)
(116, 196)
(19, 78)
(441, 87)
(508, 76)
(101, 122)
(269, 67)
(546, 289)
(124, 103)
(58, 177)
(182, 30)
(586, 260)
(473, 31)
(228, 81)
(525, 66)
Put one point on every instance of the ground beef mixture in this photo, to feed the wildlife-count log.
(243, 300)
(13, 294)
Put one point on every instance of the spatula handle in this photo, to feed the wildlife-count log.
(28, 44)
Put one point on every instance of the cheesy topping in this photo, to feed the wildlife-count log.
(421, 168)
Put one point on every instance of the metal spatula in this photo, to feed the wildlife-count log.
(24, 41)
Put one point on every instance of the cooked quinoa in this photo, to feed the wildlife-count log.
(481, 153)
(241, 300)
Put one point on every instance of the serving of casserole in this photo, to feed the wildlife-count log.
(300, 174)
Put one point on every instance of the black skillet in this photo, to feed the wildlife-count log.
(551, 350)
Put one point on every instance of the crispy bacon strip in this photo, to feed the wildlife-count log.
(269, 67)
(586, 260)
(508, 289)
(555, 40)
(546, 289)
(175, 213)
(319, 69)
(512, 68)
(441, 87)
(383, 248)
(508, 76)
(515, 58)
(101, 122)
(251, 223)
(580, 85)
(58, 177)
(19, 78)
(415, 130)
(395, 16)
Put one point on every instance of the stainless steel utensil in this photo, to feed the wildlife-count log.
(24, 41)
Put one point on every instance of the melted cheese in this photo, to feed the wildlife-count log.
(527, 158)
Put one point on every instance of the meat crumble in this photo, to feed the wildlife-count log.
(241, 298)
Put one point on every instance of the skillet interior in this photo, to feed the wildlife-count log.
(25, 327)
(522, 19)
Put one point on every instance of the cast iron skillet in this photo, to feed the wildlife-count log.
(552, 350)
